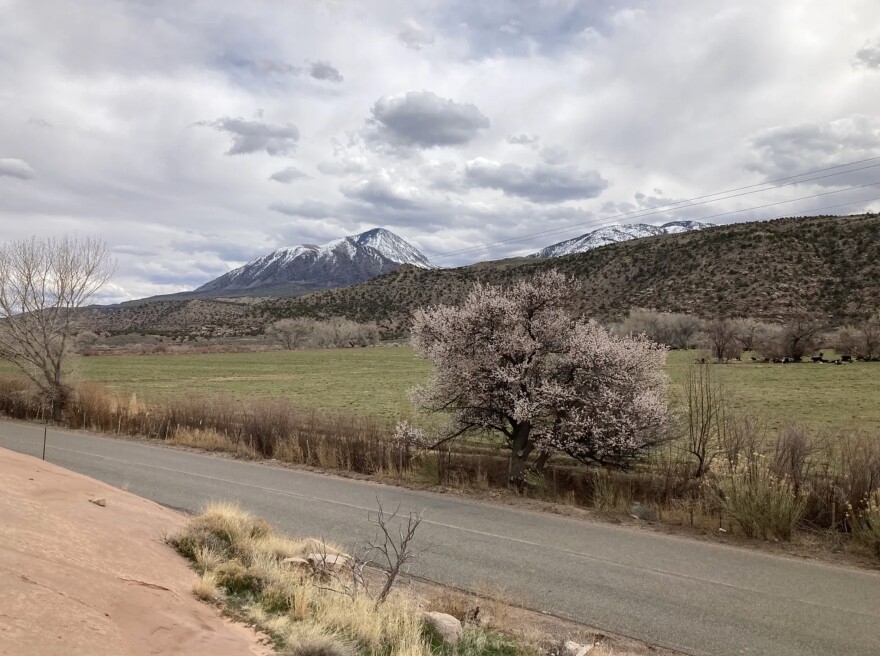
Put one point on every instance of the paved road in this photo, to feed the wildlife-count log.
(697, 597)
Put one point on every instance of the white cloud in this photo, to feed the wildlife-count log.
(423, 119)
(16, 168)
(288, 175)
(678, 95)
(540, 184)
(256, 136)
(869, 55)
(414, 36)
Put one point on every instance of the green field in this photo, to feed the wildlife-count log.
(375, 381)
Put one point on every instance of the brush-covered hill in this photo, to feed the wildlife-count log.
(826, 265)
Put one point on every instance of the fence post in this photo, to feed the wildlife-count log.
(45, 435)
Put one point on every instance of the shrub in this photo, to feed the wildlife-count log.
(756, 499)
(865, 523)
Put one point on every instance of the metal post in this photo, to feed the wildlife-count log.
(45, 434)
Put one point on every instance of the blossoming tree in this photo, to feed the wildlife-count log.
(516, 362)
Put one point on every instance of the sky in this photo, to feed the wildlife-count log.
(195, 136)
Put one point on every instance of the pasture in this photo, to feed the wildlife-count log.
(374, 381)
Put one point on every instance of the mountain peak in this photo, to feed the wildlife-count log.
(392, 246)
(340, 262)
(614, 233)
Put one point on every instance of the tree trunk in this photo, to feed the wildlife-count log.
(58, 395)
(521, 448)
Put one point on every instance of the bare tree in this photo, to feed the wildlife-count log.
(391, 551)
(292, 333)
(43, 282)
(869, 331)
(673, 329)
(721, 339)
(706, 416)
(683, 328)
(861, 340)
(750, 334)
(513, 360)
(796, 337)
(393, 548)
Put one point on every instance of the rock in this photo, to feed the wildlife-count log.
(99, 501)
(329, 561)
(571, 648)
(447, 626)
(645, 513)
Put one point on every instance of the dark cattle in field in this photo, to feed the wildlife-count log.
(847, 358)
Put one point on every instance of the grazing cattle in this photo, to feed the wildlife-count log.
(818, 358)
(847, 358)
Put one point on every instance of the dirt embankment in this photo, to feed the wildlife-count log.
(81, 579)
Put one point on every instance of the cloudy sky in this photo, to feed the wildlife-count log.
(194, 136)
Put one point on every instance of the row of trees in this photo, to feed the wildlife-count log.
(798, 336)
(336, 332)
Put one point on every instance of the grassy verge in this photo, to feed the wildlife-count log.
(764, 484)
(374, 382)
(245, 567)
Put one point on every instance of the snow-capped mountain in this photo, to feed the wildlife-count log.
(393, 247)
(614, 233)
(340, 262)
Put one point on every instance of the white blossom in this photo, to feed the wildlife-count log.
(515, 361)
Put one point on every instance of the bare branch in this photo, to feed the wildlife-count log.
(43, 285)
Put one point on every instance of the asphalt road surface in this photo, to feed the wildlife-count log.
(697, 597)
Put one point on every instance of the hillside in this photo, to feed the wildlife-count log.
(615, 233)
(827, 265)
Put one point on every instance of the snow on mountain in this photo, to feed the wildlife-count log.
(343, 261)
(393, 247)
(614, 233)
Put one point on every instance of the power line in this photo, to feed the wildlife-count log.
(660, 209)
(746, 209)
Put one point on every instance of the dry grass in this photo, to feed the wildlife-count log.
(830, 471)
(865, 523)
(210, 440)
(240, 559)
(205, 589)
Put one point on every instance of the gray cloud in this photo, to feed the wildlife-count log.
(575, 73)
(523, 139)
(16, 168)
(555, 155)
(256, 136)
(382, 192)
(322, 70)
(309, 209)
(789, 150)
(126, 249)
(539, 184)
(414, 36)
(519, 27)
(288, 175)
(347, 165)
(275, 68)
(868, 56)
(39, 122)
(263, 67)
(422, 119)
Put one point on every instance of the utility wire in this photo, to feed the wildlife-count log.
(745, 209)
(660, 209)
